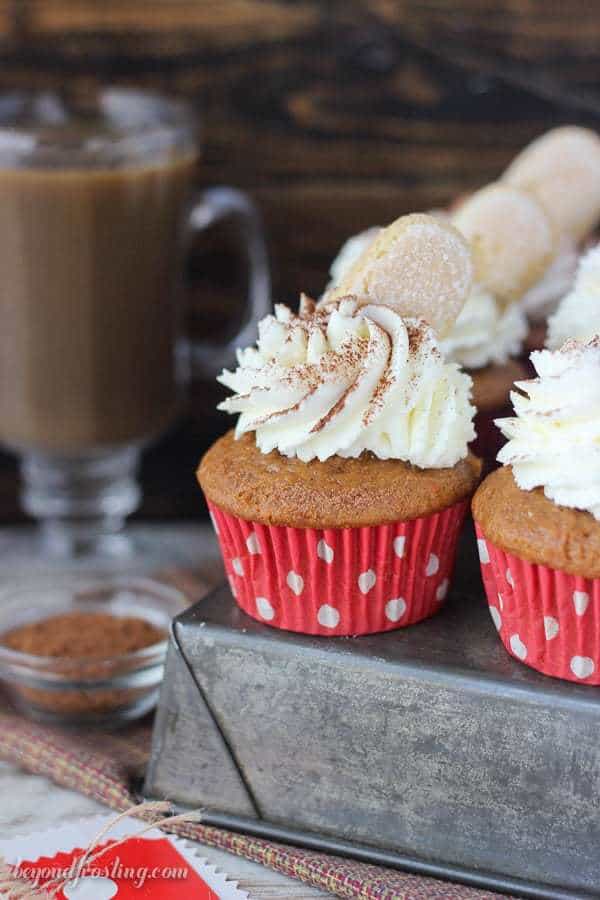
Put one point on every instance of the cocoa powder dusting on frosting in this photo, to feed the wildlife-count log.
(378, 398)
(418, 332)
(307, 306)
(354, 372)
(349, 358)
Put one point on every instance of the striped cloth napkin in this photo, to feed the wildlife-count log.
(105, 767)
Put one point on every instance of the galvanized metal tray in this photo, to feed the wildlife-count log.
(427, 748)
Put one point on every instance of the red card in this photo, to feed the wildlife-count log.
(141, 868)
(138, 868)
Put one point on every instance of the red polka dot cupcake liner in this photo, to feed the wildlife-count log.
(340, 581)
(546, 619)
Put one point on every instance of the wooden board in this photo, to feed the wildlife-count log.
(335, 115)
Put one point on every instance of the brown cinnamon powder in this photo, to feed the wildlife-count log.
(83, 635)
(89, 649)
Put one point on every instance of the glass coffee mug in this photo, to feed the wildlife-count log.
(96, 211)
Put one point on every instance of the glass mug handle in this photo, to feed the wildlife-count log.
(218, 204)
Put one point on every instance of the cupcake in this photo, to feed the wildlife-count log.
(339, 497)
(538, 518)
(578, 315)
(561, 169)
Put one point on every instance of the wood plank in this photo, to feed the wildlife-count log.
(225, 22)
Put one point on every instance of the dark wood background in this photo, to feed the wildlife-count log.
(333, 115)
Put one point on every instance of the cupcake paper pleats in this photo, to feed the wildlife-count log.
(340, 581)
(547, 619)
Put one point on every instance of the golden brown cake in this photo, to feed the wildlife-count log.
(529, 525)
(337, 493)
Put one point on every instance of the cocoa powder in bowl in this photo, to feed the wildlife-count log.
(89, 647)
(83, 635)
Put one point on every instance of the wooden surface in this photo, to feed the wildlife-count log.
(334, 115)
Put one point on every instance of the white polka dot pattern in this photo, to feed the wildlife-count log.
(325, 552)
(580, 601)
(546, 618)
(582, 666)
(366, 581)
(496, 617)
(441, 592)
(484, 556)
(399, 543)
(265, 610)
(340, 581)
(328, 616)
(295, 582)
(395, 609)
(517, 646)
(252, 543)
(433, 565)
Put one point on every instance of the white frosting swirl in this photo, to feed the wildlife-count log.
(341, 379)
(543, 298)
(484, 333)
(554, 440)
(578, 315)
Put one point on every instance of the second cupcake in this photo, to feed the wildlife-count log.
(339, 498)
(538, 518)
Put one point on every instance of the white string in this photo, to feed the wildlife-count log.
(89, 857)
(12, 887)
(158, 806)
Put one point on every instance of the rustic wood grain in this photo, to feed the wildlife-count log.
(334, 115)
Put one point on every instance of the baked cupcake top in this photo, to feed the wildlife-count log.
(554, 437)
(337, 493)
(532, 527)
(578, 315)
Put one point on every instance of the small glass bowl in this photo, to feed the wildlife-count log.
(87, 692)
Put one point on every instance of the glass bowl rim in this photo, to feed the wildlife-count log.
(36, 663)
